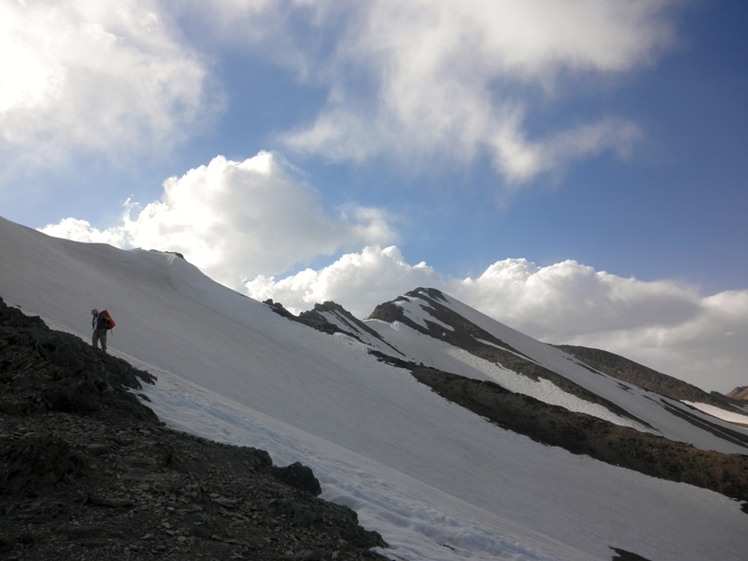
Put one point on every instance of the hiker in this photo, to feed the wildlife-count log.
(100, 324)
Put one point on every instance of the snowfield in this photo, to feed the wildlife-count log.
(438, 482)
(735, 418)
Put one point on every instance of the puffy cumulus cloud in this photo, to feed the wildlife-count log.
(662, 324)
(568, 299)
(82, 231)
(438, 77)
(358, 281)
(707, 349)
(94, 75)
(236, 220)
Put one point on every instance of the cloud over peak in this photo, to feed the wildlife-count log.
(379, 274)
(665, 325)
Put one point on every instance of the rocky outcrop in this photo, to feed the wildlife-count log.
(739, 393)
(344, 322)
(45, 370)
(88, 472)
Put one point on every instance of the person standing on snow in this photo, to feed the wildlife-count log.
(99, 325)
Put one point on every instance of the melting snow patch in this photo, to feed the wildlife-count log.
(542, 390)
(728, 416)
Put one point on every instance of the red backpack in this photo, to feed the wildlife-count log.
(107, 320)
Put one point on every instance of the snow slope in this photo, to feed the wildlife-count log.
(437, 481)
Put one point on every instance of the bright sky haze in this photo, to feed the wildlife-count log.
(574, 169)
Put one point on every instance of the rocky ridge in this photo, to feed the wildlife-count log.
(87, 471)
(739, 393)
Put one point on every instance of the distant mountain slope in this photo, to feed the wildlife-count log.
(584, 434)
(576, 432)
(487, 350)
(647, 378)
(740, 393)
(442, 323)
(458, 339)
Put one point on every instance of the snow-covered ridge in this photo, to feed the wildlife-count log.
(458, 350)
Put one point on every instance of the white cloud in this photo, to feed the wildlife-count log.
(571, 300)
(457, 79)
(360, 280)
(94, 75)
(236, 220)
(662, 324)
(707, 348)
(412, 80)
(82, 231)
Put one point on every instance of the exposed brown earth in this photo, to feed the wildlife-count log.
(740, 393)
(87, 472)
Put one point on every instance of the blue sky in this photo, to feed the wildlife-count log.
(582, 156)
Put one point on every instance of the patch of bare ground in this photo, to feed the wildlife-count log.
(740, 393)
(623, 555)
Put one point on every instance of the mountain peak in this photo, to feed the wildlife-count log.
(741, 393)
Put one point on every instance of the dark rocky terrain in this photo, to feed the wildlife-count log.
(87, 471)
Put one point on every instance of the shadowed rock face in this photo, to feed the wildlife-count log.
(623, 555)
(88, 472)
